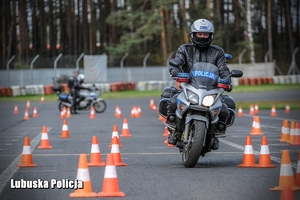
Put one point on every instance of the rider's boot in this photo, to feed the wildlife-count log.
(215, 145)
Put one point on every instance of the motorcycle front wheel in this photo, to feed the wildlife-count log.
(192, 150)
(100, 106)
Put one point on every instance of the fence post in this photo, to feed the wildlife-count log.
(7, 68)
(55, 65)
(122, 65)
(31, 67)
(266, 60)
(77, 62)
(293, 67)
(145, 66)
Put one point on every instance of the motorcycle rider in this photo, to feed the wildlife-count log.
(200, 50)
(74, 84)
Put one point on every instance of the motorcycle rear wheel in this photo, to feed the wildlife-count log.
(192, 151)
(100, 106)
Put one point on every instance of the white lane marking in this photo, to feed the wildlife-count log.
(6, 175)
(254, 152)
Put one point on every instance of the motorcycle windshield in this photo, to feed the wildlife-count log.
(204, 75)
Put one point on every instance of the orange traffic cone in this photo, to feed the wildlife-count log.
(273, 111)
(42, 99)
(65, 131)
(26, 116)
(256, 130)
(287, 108)
(110, 186)
(152, 105)
(115, 133)
(125, 129)
(296, 140)
(139, 111)
(95, 157)
(62, 113)
(115, 151)
(68, 115)
(252, 111)
(16, 111)
(27, 160)
(286, 173)
(166, 131)
(298, 172)
(256, 108)
(83, 176)
(264, 156)
(92, 113)
(134, 112)
(249, 159)
(35, 113)
(28, 104)
(240, 112)
(292, 132)
(45, 144)
(118, 112)
(285, 131)
(287, 193)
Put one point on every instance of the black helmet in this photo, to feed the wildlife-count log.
(202, 26)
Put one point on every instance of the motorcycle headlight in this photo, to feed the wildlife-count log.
(192, 97)
(208, 100)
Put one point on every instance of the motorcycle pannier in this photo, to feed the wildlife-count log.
(63, 96)
(165, 99)
(229, 101)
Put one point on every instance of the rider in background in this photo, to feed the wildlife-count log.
(200, 50)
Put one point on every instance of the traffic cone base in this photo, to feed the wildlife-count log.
(110, 186)
(83, 175)
(273, 112)
(16, 111)
(125, 129)
(296, 139)
(240, 111)
(285, 131)
(287, 193)
(27, 160)
(35, 113)
(115, 151)
(92, 113)
(252, 111)
(256, 129)
(26, 115)
(44, 144)
(249, 159)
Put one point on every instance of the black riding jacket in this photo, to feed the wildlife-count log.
(189, 54)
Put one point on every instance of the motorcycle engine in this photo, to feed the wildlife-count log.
(82, 104)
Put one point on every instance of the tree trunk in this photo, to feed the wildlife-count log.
(269, 23)
(23, 34)
(42, 27)
(163, 35)
(249, 30)
(91, 24)
(289, 24)
(184, 27)
(85, 27)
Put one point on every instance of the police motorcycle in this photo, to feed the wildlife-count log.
(86, 98)
(198, 105)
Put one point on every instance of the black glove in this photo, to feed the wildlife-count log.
(229, 88)
(174, 72)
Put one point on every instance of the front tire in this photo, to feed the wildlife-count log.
(100, 106)
(192, 150)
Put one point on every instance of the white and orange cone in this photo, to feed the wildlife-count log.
(95, 157)
(285, 131)
(152, 105)
(26, 160)
(35, 113)
(115, 151)
(286, 173)
(292, 132)
(110, 186)
(125, 129)
(273, 111)
(83, 175)
(42, 99)
(249, 159)
(118, 112)
(252, 111)
(16, 111)
(287, 193)
(240, 111)
(92, 113)
(264, 156)
(65, 130)
(139, 111)
(68, 115)
(296, 140)
(62, 114)
(287, 108)
(26, 115)
(45, 143)
(256, 108)
(134, 112)
(256, 129)
(115, 133)
(28, 104)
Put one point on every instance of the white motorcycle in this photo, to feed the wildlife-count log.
(198, 106)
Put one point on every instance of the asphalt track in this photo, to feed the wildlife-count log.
(154, 170)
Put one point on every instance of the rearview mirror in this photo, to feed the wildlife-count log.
(236, 73)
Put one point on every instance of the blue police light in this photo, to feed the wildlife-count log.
(228, 56)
